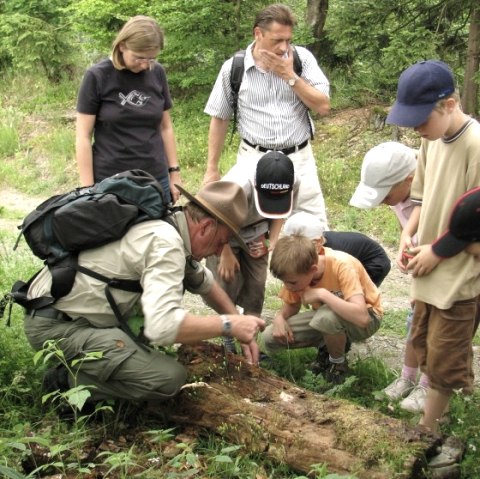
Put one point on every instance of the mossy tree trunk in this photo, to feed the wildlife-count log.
(248, 405)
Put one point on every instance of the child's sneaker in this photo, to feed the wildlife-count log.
(322, 361)
(337, 373)
(415, 401)
(400, 388)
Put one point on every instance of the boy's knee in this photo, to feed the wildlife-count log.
(327, 322)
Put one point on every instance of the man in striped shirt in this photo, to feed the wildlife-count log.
(273, 105)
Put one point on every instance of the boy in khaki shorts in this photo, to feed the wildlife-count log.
(445, 290)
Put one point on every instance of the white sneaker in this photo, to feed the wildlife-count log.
(415, 401)
(400, 388)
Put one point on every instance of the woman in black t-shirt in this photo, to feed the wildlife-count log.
(123, 105)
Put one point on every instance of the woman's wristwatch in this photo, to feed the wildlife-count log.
(171, 169)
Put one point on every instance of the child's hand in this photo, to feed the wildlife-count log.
(424, 261)
(282, 331)
(311, 296)
(228, 265)
(405, 244)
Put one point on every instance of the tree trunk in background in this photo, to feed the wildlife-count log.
(470, 87)
(268, 415)
(316, 17)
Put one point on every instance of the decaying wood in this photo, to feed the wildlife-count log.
(268, 415)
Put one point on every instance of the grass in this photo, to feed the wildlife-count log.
(37, 158)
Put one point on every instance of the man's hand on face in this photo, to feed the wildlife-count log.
(282, 66)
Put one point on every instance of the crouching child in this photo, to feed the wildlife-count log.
(343, 304)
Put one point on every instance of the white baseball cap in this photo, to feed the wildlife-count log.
(304, 224)
(383, 166)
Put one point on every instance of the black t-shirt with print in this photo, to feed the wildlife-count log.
(128, 108)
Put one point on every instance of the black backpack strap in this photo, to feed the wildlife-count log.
(122, 321)
(298, 68)
(297, 63)
(236, 77)
(18, 294)
(63, 275)
(130, 285)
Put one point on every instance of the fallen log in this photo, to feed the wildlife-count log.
(271, 416)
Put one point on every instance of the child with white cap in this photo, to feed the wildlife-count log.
(387, 173)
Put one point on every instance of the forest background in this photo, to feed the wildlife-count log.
(362, 46)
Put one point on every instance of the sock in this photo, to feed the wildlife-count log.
(424, 382)
(409, 373)
(339, 360)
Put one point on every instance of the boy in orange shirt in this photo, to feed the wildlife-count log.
(344, 302)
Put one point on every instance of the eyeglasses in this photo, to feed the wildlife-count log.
(139, 60)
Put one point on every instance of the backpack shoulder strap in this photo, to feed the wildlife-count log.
(297, 63)
(236, 77)
(236, 72)
(298, 68)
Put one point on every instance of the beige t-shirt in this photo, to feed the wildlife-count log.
(446, 170)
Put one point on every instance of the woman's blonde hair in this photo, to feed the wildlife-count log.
(139, 34)
(293, 254)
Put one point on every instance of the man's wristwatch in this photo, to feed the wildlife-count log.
(226, 326)
(293, 81)
(173, 168)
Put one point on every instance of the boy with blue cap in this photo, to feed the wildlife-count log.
(446, 290)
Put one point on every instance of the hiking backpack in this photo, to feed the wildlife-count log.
(66, 224)
(236, 77)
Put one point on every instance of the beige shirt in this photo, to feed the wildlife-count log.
(446, 170)
(154, 253)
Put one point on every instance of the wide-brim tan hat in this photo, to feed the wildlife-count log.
(224, 200)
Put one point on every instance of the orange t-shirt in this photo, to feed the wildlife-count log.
(345, 277)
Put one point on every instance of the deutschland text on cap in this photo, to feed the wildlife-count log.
(274, 180)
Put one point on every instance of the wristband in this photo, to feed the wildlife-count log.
(226, 326)
(173, 168)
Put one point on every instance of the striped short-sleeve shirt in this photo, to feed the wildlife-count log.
(270, 114)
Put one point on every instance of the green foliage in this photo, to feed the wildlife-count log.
(36, 34)
(384, 37)
(8, 140)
